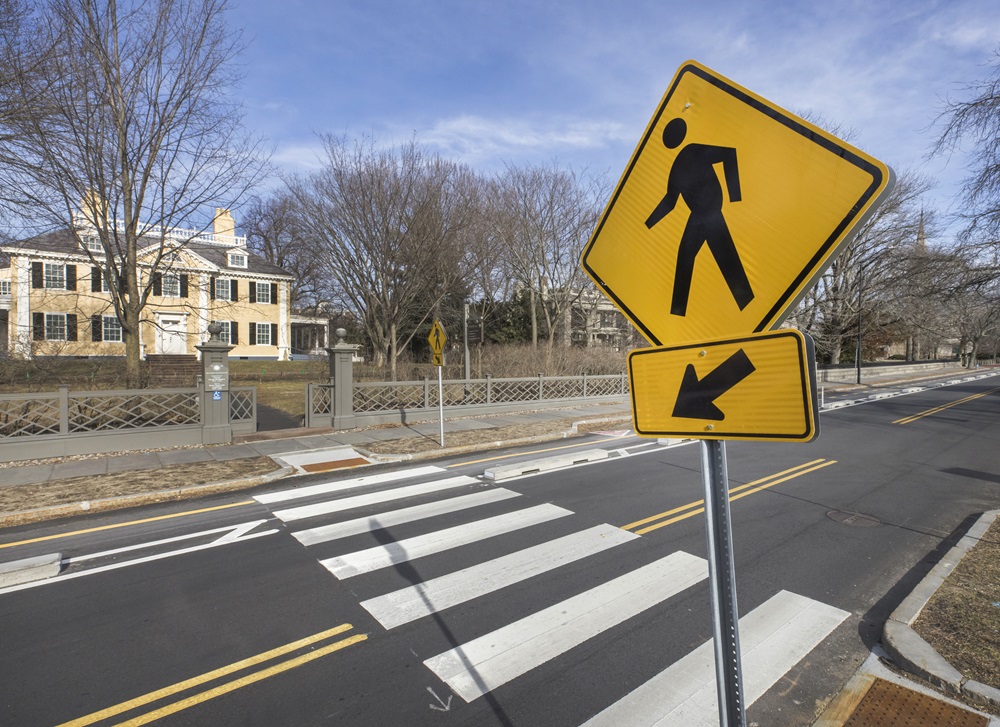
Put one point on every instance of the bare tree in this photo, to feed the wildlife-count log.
(136, 123)
(858, 291)
(393, 224)
(274, 230)
(976, 119)
(543, 217)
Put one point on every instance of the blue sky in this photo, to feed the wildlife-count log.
(537, 81)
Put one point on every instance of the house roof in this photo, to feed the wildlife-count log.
(62, 242)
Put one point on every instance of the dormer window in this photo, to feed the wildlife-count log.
(92, 243)
(237, 260)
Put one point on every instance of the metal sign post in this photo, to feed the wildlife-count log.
(441, 405)
(437, 340)
(722, 580)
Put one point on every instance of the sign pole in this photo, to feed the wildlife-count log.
(441, 404)
(722, 579)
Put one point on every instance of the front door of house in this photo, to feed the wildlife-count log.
(171, 333)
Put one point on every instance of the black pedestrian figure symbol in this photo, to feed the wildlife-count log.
(693, 177)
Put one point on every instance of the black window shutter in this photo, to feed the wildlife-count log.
(157, 284)
(253, 291)
(71, 327)
(234, 290)
(211, 288)
(184, 285)
(71, 278)
(274, 293)
(253, 334)
(96, 328)
(37, 278)
(234, 333)
(38, 326)
(274, 334)
(95, 283)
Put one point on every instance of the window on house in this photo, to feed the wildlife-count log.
(222, 289)
(112, 329)
(4, 287)
(263, 292)
(92, 243)
(55, 326)
(237, 260)
(171, 286)
(55, 276)
(263, 334)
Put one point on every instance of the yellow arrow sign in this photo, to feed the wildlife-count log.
(437, 338)
(728, 212)
(756, 387)
(437, 359)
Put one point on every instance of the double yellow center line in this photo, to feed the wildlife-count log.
(935, 410)
(694, 508)
(225, 687)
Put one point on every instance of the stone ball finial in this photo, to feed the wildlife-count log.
(214, 329)
(341, 333)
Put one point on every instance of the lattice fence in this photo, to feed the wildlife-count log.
(408, 395)
(69, 412)
(243, 408)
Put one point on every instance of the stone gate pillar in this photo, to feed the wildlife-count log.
(342, 377)
(216, 428)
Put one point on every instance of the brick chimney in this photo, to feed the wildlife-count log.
(224, 225)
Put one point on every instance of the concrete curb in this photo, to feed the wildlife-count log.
(26, 570)
(910, 651)
(23, 517)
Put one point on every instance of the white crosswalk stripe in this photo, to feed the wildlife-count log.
(373, 498)
(481, 665)
(326, 533)
(353, 483)
(401, 551)
(774, 637)
(408, 604)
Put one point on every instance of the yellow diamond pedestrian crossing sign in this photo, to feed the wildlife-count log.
(728, 212)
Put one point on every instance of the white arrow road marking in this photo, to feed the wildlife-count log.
(445, 706)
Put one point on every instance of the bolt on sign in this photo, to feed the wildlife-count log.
(728, 212)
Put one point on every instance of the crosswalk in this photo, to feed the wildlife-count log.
(411, 515)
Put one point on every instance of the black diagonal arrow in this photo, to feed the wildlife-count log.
(696, 398)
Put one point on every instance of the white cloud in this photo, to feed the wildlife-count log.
(475, 138)
(299, 157)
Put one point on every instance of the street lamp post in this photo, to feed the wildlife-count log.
(861, 291)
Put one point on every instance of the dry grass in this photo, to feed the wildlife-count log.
(483, 437)
(962, 619)
(80, 489)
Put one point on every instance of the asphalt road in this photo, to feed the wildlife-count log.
(429, 595)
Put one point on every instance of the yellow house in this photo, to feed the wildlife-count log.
(54, 300)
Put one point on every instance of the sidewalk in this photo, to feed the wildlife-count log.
(299, 451)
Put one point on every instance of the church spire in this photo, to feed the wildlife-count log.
(921, 246)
